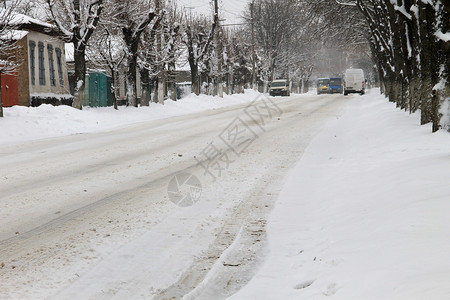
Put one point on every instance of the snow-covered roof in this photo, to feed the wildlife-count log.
(20, 19)
(24, 22)
(14, 35)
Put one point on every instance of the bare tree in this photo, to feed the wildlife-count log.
(148, 60)
(198, 36)
(161, 47)
(172, 26)
(8, 44)
(411, 54)
(286, 38)
(77, 20)
(133, 18)
(238, 63)
(29, 8)
(275, 24)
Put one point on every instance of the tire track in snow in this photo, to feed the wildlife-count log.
(232, 259)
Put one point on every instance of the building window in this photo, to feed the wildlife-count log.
(32, 63)
(59, 63)
(41, 64)
(51, 65)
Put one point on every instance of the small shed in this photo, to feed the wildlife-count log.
(97, 89)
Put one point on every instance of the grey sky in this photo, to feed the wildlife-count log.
(230, 10)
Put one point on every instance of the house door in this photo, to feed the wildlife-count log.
(10, 90)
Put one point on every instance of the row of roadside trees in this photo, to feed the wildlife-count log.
(410, 43)
(410, 47)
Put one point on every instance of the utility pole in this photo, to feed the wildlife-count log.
(219, 48)
(253, 46)
(160, 92)
(270, 50)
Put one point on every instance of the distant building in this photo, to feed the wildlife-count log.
(42, 73)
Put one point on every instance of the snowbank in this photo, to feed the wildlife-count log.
(364, 214)
(22, 124)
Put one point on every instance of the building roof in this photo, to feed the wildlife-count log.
(20, 19)
(24, 22)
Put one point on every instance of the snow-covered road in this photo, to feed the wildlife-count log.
(88, 216)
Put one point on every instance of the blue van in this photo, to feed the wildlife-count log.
(336, 85)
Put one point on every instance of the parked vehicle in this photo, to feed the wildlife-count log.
(354, 81)
(323, 86)
(336, 85)
(279, 87)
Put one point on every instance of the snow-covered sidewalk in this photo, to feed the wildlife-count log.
(365, 214)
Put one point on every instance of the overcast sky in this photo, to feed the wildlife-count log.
(230, 10)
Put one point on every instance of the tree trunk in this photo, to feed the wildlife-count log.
(435, 116)
(195, 78)
(389, 83)
(381, 80)
(233, 87)
(215, 85)
(445, 92)
(145, 81)
(429, 67)
(229, 89)
(445, 119)
(132, 38)
(399, 58)
(131, 78)
(161, 71)
(409, 48)
(207, 85)
(414, 94)
(155, 88)
(114, 77)
(161, 88)
(172, 85)
(443, 110)
(80, 74)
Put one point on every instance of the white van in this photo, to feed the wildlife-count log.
(354, 81)
(279, 87)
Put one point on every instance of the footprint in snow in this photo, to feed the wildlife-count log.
(303, 284)
(331, 289)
